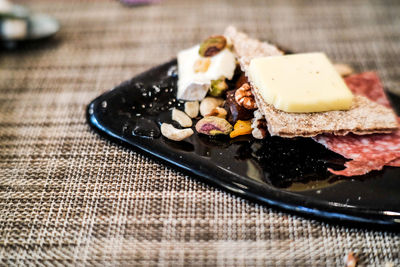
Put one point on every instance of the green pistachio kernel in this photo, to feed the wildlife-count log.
(212, 45)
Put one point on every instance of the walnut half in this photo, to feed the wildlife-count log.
(244, 97)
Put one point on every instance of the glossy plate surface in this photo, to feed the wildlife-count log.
(286, 173)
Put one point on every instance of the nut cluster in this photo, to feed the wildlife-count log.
(244, 97)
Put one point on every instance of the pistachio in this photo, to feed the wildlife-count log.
(174, 134)
(212, 45)
(218, 87)
(343, 69)
(218, 112)
(208, 104)
(181, 118)
(192, 108)
(201, 65)
(212, 125)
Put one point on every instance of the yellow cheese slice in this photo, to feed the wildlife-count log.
(300, 83)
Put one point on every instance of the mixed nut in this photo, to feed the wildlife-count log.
(225, 111)
(181, 117)
(218, 87)
(214, 120)
(218, 112)
(212, 45)
(244, 97)
(192, 109)
(212, 125)
(172, 133)
(208, 104)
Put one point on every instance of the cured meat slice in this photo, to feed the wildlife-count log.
(394, 163)
(368, 152)
(369, 85)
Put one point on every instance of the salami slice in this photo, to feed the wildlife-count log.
(367, 152)
(369, 85)
(394, 163)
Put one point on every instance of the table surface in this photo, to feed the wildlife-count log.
(68, 196)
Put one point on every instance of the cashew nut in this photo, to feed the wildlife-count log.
(192, 108)
(208, 104)
(172, 133)
(181, 118)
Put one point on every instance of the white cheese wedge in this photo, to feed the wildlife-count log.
(300, 83)
(195, 85)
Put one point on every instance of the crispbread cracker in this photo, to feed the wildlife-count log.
(247, 48)
(364, 116)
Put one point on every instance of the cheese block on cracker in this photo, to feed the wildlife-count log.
(363, 117)
(300, 83)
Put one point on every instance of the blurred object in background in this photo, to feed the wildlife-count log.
(5, 6)
(13, 21)
(18, 24)
(14, 29)
(16, 11)
(139, 2)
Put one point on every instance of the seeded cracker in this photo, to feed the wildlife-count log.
(364, 117)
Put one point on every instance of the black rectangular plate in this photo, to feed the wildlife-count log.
(287, 173)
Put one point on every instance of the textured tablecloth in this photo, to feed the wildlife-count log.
(68, 196)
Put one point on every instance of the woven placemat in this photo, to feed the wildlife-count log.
(68, 196)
